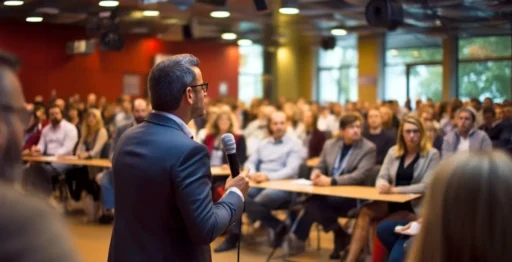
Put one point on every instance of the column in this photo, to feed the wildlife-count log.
(371, 65)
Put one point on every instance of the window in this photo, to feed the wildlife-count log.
(337, 72)
(413, 68)
(250, 77)
(484, 67)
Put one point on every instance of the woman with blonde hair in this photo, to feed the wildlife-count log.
(94, 137)
(466, 218)
(406, 169)
(223, 122)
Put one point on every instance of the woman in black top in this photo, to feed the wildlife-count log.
(406, 170)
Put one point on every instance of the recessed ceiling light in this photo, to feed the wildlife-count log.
(220, 14)
(13, 3)
(109, 3)
(289, 10)
(338, 31)
(48, 10)
(151, 13)
(34, 19)
(244, 42)
(228, 36)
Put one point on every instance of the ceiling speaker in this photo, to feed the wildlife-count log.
(261, 5)
(111, 41)
(388, 14)
(328, 43)
(187, 32)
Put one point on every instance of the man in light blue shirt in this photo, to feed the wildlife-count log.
(277, 157)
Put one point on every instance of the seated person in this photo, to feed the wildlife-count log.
(375, 133)
(314, 139)
(466, 215)
(33, 133)
(467, 136)
(222, 124)
(406, 169)
(140, 112)
(436, 140)
(395, 241)
(346, 160)
(57, 139)
(94, 138)
(277, 157)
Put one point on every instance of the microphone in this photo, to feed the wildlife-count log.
(229, 144)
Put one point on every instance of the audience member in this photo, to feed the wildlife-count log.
(454, 229)
(382, 139)
(407, 169)
(313, 140)
(29, 230)
(467, 136)
(222, 124)
(346, 160)
(57, 139)
(124, 116)
(94, 138)
(277, 157)
(33, 133)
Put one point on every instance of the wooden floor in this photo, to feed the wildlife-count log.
(92, 243)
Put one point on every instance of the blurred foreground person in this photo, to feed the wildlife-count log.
(466, 216)
(29, 230)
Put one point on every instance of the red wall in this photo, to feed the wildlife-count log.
(46, 66)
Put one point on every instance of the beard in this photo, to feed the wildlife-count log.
(139, 120)
(197, 110)
(55, 122)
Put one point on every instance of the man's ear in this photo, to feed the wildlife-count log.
(189, 96)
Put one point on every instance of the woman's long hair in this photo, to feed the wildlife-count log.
(424, 145)
(87, 131)
(467, 211)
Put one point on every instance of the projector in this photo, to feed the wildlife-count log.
(180, 4)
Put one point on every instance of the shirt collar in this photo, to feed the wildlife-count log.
(178, 120)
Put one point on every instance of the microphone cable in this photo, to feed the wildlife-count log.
(239, 237)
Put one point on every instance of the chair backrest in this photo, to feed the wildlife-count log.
(304, 171)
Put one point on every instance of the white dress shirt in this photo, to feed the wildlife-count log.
(59, 140)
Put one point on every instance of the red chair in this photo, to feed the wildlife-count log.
(379, 252)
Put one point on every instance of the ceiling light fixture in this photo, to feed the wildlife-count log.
(220, 14)
(109, 3)
(34, 19)
(228, 36)
(338, 31)
(289, 7)
(13, 3)
(244, 42)
(151, 13)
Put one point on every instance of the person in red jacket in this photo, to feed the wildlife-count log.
(34, 131)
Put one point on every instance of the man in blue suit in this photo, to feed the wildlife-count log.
(164, 207)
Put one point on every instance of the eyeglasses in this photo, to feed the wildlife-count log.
(22, 112)
(204, 87)
(412, 131)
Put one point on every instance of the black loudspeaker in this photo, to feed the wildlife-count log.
(388, 14)
(187, 32)
(261, 5)
(111, 41)
(328, 43)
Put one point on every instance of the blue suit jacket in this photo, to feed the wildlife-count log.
(164, 207)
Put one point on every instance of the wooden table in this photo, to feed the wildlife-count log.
(358, 192)
(99, 162)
